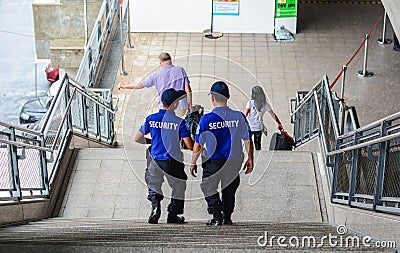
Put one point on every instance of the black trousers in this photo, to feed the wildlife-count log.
(257, 139)
(174, 171)
(225, 172)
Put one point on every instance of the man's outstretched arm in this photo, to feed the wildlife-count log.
(130, 86)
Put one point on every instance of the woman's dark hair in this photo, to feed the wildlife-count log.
(258, 95)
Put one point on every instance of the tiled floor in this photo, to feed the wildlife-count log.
(328, 35)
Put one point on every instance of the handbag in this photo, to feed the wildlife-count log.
(281, 141)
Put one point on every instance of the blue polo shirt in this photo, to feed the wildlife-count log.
(222, 131)
(166, 130)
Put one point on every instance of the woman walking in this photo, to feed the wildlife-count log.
(255, 109)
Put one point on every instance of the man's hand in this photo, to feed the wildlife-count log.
(280, 127)
(193, 170)
(248, 166)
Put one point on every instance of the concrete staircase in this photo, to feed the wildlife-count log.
(105, 210)
(63, 235)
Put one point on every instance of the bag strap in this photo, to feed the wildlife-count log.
(260, 118)
(258, 113)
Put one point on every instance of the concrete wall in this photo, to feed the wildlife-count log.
(55, 19)
(393, 9)
(377, 225)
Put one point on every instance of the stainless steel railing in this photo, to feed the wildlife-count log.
(363, 163)
(30, 158)
(95, 47)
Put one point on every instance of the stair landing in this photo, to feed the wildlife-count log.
(109, 184)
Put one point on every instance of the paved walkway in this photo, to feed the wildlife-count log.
(327, 39)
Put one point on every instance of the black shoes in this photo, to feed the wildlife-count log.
(227, 221)
(155, 212)
(216, 220)
(175, 219)
(396, 48)
(219, 220)
(154, 217)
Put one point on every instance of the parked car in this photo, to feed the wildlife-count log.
(34, 110)
(52, 74)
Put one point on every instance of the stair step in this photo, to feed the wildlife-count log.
(98, 235)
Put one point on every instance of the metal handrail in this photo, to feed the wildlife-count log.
(101, 38)
(96, 101)
(22, 129)
(26, 145)
(372, 125)
(332, 112)
(365, 144)
(74, 108)
(63, 118)
(22, 144)
(345, 185)
(307, 96)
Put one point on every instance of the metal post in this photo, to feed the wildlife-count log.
(383, 40)
(343, 81)
(129, 25)
(13, 159)
(364, 72)
(342, 107)
(123, 72)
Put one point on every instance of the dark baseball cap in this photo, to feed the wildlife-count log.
(170, 96)
(220, 88)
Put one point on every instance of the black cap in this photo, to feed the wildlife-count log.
(170, 96)
(220, 88)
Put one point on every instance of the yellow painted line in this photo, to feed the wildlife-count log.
(337, 2)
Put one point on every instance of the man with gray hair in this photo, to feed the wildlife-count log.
(169, 76)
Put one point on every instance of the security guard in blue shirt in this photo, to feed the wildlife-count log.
(166, 130)
(222, 132)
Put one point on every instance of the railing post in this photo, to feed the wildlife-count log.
(67, 97)
(129, 25)
(334, 175)
(97, 120)
(312, 116)
(121, 20)
(353, 176)
(364, 72)
(383, 40)
(343, 81)
(43, 164)
(380, 170)
(84, 118)
(16, 184)
(342, 108)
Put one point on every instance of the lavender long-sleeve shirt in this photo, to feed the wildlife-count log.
(168, 77)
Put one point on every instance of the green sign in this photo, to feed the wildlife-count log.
(286, 8)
